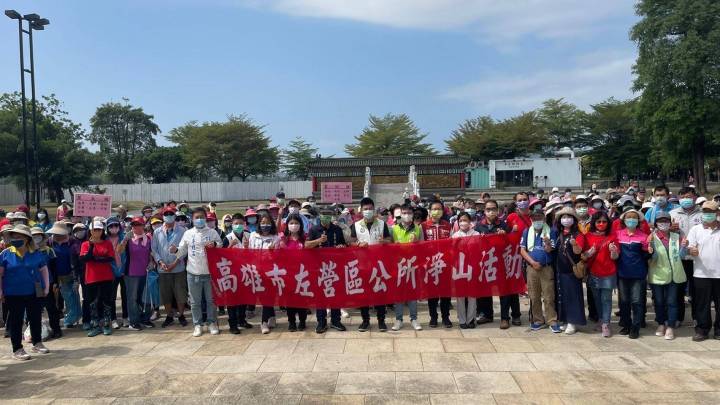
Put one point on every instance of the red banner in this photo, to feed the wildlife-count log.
(477, 266)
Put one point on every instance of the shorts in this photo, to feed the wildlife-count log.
(173, 285)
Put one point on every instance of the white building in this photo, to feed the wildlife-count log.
(562, 172)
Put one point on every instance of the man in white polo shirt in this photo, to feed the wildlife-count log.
(704, 246)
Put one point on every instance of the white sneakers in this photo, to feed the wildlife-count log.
(264, 328)
(669, 334)
(271, 322)
(660, 332)
(415, 324)
(344, 313)
(397, 325)
(213, 328)
(115, 324)
(570, 329)
(20, 354)
(197, 331)
(40, 348)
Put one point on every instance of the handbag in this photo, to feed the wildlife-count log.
(579, 268)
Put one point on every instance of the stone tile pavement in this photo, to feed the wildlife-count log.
(434, 366)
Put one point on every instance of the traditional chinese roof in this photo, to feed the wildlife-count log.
(388, 165)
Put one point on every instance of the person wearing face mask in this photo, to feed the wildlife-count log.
(115, 235)
(292, 208)
(192, 245)
(519, 220)
(466, 306)
(365, 232)
(665, 274)
(238, 238)
(172, 277)
(570, 303)
(293, 238)
(684, 217)
(147, 212)
(406, 231)
(49, 302)
(42, 220)
(24, 282)
(78, 235)
(632, 273)
(581, 209)
(661, 195)
(436, 228)
(251, 220)
(599, 251)
(138, 247)
(703, 243)
(536, 246)
(61, 266)
(96, 254)
(596, 204)
(266, 237)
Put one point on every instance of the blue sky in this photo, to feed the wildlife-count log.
(318, 68)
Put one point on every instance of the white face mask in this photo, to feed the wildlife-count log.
(407, 218)
(464, 225)
(368, 214)
(294, 228)
(41, 215)
(566, 221)
(663, 226)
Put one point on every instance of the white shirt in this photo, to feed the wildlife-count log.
(707, 263)
(193, 244)
(258, 241)
(232, 237)
(686, 220)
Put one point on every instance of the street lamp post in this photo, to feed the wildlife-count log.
(34, 23)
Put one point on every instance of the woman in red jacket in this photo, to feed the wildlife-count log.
(97, 253)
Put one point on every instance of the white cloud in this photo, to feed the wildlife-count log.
(593, 78)
(492, 19)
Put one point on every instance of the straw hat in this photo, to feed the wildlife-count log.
(22, 230)
(58, 229)
(567, 211)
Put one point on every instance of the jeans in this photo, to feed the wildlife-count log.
(138, 311)
(119, 282)
(68, 290)
(510, 304)
(400, 308)
(666, 303)
(707, 291)
(602, 288)
(466, 310)
(321, 315)
(18, 306)
(632, 297)
(199, 287)
(541, 288)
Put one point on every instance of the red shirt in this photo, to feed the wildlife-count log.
(600, 264)
(522, 221)
(433, 231)
(96, 272)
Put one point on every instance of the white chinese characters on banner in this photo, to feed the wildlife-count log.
(276, 276)
(251, 278)
(303, 283)
(487, 265)
(513, 262)
(434, 267)
(378, 280)
(406, 270)
(462, 270)
(353, 283)
(328, 277)
(227, 281)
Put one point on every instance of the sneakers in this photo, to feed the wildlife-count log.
(20, 354)
(85, 326)
(624, 331)
(182, 320)
(660, 331)
(516, 321)
(504, 324)
(154, 316)
(234, 330)
(106, 330)
(321, 328)
(471, 324)
(40, 348)
(272, 322)
(605, 330)
(125, 322)
(397, 325)
(634, 333)
(433, 323)
(197, 331)
(115, 324)
(338, 326)
(483, 319)
(555, 328)
(535, 326)
(302, 326)
(244, 325)
(446, 323)
(669, 334)
(250, 314)
(148, 324)
(134, 327)
(463, 326)
(264, 328)
(364, 326)
(213, 328)
(699, 337)
(167, 322)
(292, 327)
(344, 313)
(415, 324)
(570, 329)
(382, 326)
(94, 332)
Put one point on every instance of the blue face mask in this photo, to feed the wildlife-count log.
(169, 219)
(631, 223)
(471, 211)
(522, 205)
(17, 243)
(708, 217)
(687, 203)
(538, 224)
(199, 223)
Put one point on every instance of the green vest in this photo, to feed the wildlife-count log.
(665, 266)
(400, 235)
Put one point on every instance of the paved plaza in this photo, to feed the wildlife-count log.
(485, 365)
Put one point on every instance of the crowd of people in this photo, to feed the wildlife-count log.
(577, 250)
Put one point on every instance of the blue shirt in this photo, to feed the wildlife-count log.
(21, 273)
(162, 239)
(652, 212)
(537, 252)
(62, 263)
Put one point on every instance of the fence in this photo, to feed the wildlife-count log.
(10, 194)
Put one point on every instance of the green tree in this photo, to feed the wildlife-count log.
(484, 138)
(678, 73)
(235, 148)
(162, 164)
(390, 135)
(63, 162)
(564, 122)
(618, 147)
(297, 157)
(123, 132)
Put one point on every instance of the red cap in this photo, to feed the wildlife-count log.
(168, 211)
(211, 216)
(274, 206)
(250, 212)
(137, 221)
(24, 208)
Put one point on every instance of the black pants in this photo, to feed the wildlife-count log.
(119, 281)
(690, 286)
(510, 306)
(321, 315)
(54, 314)
(380, 312)
(707, 291)
(236, 315)
(444, 307)
(301, 314)
(592, 308)
(485, 307)
(18, 306)
(101, 297)
(267, 313)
